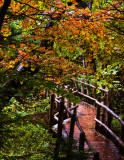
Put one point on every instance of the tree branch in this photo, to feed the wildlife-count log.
(3, 11)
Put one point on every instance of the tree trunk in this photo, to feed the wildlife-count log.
(3, 13)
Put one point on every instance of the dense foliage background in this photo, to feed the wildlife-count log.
(47, 42)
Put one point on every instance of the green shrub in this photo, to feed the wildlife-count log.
(116, 126)
(21, 136)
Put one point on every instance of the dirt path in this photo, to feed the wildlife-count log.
(106, 148)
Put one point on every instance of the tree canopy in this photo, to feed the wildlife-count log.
(53, 38)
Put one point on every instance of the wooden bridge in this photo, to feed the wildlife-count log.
(89, 125)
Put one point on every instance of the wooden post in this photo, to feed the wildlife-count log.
(70, 142)
(110, 106)
(71, 83)
(49, 94)
(81, 141)
(122, 137)
(98, 117)
(103, 121)
(75, 94)
(102, 98)
(45, 94)
(94, 96)
(88, 89)
(59, 134)
(82, 87)
(104, 115)
(88, 93)
(76, 85)
(73, 118)
(107, 98)
(122, 131)
(57, 106)
(61, 110)
(56, 152)
(68, 100)
(103, 111)
(51, 116)
(96, 156)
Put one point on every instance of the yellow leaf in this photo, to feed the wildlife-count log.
(21, 82)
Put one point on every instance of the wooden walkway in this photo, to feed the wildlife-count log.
(106, 148)
(87, 120)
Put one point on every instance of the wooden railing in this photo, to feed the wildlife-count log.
(60, 105)
(104, 103)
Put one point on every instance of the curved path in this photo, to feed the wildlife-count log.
(106, 148)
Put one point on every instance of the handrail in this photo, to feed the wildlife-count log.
(86, 96)
(59, 97)
(90, 85)
(106, 105)
(76, 106)
(97, 102)
(112, 133)
(58, 101)
(68, 111)
(103, 90)
(78, 125)
(110, 111)
(55, 116)
(103, 106)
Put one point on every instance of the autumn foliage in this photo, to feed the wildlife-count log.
(52, 36)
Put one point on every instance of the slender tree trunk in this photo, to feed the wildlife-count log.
(3, 11)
